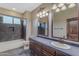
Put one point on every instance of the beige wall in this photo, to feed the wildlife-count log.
(60, 24)
(9, 12)
(26, 14)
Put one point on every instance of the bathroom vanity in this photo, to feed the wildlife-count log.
(43, 47)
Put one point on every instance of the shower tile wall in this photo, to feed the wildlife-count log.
(7, 33)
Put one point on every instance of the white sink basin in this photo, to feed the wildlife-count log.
(60, 45)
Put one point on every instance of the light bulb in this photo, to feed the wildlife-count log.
(57, 10)
(40, 13)
(46, 14)
(63, 8)
(54, 7)
(71, 5)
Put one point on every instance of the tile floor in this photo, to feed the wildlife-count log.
(16, 52)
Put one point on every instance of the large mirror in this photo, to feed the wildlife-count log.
(65, 21)
(43, 25)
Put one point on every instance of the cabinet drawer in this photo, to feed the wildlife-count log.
(58, 53)
(47, 51)
(36, 48)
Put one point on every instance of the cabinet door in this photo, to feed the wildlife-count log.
(32, 49)
(47, 51)
(35, 48)
(59, 53)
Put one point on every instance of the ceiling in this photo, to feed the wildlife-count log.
(20, 7)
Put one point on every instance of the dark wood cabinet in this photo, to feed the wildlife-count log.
(58, 53)
(35, 48)
(73, 29)
(39, 49)
(47, 51)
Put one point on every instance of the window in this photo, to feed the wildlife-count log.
(17, 21)
(11, 20)
(7, 19)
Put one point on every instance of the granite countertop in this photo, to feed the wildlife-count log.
(73, 51)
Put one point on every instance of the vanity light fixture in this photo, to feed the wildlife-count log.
(57, 10)
(63, 8)
(44, 12)
(54, 7)
(72, 5)
(60, 5)
(41, 16)
(44, 15)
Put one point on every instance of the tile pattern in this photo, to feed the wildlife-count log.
(7, 33)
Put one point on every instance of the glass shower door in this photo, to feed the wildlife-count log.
(5, 28)
(10, 28)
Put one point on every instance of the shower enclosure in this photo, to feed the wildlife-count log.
(10, 28)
